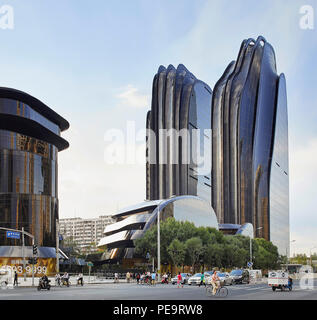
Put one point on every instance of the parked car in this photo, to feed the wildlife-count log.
(208, 275)
(225, 278)
(185, 277)
(239, 276)
(195, 279)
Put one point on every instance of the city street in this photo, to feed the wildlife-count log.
(125, 291)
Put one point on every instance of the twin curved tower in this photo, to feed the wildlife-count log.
(248, 147)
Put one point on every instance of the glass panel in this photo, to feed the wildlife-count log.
(17, 108)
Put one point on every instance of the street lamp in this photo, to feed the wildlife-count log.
(158, 245)
(310, 255)
(293, 242)
(251, 246)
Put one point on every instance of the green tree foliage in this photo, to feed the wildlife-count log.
(177, 252)
(184, 244)
(194, 250)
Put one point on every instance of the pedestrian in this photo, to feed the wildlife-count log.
(128, 277)
(57, 279)
(116, 280)
(202, 280)
(179, 280)
(138, 278)
(15, 279)
(153, 278)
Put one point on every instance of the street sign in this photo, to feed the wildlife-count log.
(13, 235)
(250, 264)
(90, 264)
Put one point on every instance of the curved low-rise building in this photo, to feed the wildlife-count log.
(133, 222)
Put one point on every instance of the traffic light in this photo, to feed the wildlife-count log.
(32, 261)
(35, 249)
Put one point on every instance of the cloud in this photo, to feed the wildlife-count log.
(131, 97)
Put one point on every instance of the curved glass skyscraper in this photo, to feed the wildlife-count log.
(250, 145)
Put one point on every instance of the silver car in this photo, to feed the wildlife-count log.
(225, 278)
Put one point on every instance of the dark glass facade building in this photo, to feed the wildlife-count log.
(29, 144)
(179, 136)
(250, 145)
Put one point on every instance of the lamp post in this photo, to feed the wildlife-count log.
(251, 246)
(158, 245)
(311, 264)
(293, 242)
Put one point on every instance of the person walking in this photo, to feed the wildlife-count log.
(15, 279)
(57, 279)
(138, 278)
(116, 280)
(128, 276)
(179, 280)
(153, 278)
(202, 280)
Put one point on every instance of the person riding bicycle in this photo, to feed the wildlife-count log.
(80, 279)
(65, 278)
(215, 281)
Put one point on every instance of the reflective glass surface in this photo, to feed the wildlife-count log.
(279, 179)
(199, 181)
(28, 188)
(235, 98)
(263, 136)
(36, 213)
(17, 108)
(217, 143)
(245, 135)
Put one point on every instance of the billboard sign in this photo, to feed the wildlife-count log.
(13, 235)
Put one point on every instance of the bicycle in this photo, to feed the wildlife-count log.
(221, 292)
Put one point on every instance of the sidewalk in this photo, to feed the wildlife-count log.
(73, 280)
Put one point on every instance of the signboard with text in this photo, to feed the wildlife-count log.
(13, 235)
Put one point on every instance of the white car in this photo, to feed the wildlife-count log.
(195, 279)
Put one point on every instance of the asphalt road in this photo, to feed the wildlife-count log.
(124, 291)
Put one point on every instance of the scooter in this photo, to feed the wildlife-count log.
(164, 280)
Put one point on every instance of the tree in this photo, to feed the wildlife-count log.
(194, 249)
(177, 252)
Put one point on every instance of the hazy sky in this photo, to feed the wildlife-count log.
(93, 62)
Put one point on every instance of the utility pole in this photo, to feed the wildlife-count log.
(158, 245)
(23, 254)
(57, 246)
(33, 262)
(251, 247)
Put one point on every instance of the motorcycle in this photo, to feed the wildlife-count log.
(44, 285)
(164, 280)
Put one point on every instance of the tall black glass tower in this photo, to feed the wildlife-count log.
(250, 144)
